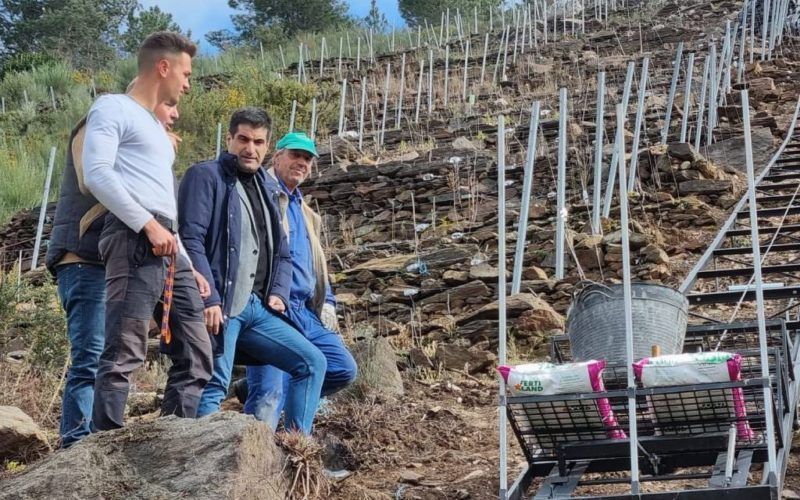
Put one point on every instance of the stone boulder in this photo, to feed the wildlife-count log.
(224, 455)
(464, 144)
(343, 150)
(20, 438)
(654, 254)
(377, 370)
(539, 320)
(729, 154)
(456, 357)
(636, 240)
(472, 289)
(540, 316)
(681, 150)
(705, 186)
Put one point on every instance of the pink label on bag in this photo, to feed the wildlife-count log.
(698, 368)
(544, 379)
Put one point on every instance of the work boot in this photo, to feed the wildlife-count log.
(240, 390)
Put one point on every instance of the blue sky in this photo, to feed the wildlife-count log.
(209, 15)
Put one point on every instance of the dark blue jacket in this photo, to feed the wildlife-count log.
(209, 221)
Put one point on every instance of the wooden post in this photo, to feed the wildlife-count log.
(583, 19)
(505, 53)
(371, 47)
(219, 140)
(342, 101)
(441, 30)
(446, 74)
(433, 215)
(544, 19)
(361, 113)
(43, 209)
(466, 68)
(400, 92)
(497, 60)
(516, 39)
(419, 89)
(428, 32)
(321, 56)
(385, 103)
(300, 63)
(561, 211)
(313, 118)
(485, 49)
(414, 222)
(292, 116)
(430, 84)
(339, 67)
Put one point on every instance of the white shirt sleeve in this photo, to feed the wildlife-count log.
(104, 130)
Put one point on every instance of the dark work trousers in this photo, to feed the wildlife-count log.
(134, 285)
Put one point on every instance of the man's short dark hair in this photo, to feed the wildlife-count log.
(162, 43)
(251, 115)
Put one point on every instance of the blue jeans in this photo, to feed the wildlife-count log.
(82, 290)
(268, 338)
(268, 386)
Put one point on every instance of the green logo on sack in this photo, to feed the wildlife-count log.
(530, 386)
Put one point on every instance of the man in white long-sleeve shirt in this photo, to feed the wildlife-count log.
(127, 159)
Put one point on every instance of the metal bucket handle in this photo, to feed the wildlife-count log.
(583, 289)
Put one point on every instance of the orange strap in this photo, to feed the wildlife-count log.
(166, 334)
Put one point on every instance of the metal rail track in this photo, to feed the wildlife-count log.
(723, 275)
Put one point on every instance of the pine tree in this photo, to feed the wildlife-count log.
(375, 19)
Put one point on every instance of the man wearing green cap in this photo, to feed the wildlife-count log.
(312, 306)
(229, 222)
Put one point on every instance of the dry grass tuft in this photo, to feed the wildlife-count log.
(304, 467)
(33, 391)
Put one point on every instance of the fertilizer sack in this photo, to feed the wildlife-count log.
(699, 411)
(548, 379)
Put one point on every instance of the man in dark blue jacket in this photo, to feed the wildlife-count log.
(230, 224)
(312, 305)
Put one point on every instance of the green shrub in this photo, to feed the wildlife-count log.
(59, 76)
(26, 61)
(32, 311)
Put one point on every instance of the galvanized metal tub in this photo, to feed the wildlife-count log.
(596, 321)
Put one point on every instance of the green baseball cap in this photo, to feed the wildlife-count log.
(298, 140)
